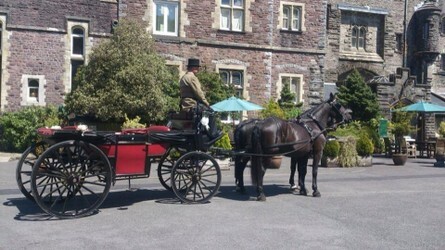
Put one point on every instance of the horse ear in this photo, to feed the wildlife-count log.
(331, 97)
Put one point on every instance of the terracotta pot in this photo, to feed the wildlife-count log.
(399, 159)
(275, 162)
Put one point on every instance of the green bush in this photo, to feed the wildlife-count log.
(18, 130)
(348, 154)
(272, 109)
(224, 142)
(364, 146)
(132, 123)
(442, 129)
(331, 149)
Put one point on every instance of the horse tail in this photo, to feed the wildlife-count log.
(257, 150)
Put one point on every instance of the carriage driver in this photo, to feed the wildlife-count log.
(192, 95)
(190, 87)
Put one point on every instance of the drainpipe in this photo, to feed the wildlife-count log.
(404, 34)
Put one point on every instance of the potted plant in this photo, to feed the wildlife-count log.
(330, 154)
(364, 148)
(400, 126)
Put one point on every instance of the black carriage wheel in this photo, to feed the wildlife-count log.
(195, 177)
(24, 167)
(165, 166)
(71, 179)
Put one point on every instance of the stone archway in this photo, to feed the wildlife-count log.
(365, 73)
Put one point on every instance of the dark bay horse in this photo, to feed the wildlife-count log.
(298, 139)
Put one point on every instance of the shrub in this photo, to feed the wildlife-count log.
(18, 130)
(272, 109)
(364, 146)
(442, 129)
(224, 142)
(348, 154)
(132, 123)
(331, 149)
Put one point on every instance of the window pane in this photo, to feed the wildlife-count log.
(361, 39)
(159, 18)
(33, 86)
(238, 20)
(75, 64)
(225, 18)
(225, 2)
(171, 18)
(286, 13)
(77, 45)
(296, 19)
(354, 37)
(224, 76)
(78, 31)
(237, 79)
(238, 3)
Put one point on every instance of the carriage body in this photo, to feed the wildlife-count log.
(76, 166)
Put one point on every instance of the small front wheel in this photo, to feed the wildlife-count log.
(195, 177)
(71, 179)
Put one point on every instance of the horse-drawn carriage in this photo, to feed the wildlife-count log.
(70, 172)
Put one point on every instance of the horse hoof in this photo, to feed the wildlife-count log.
(261, 198)
(293, 187)
(316, 194)
(303, 192)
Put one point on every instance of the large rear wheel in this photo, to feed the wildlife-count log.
(24, 167)
(71, 179)
(195, 177)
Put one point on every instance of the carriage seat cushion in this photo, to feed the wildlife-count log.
(181, 120)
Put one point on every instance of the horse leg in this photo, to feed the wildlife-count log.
(240, 165)
(302, 169)
(315, 163)
(261, 196)
(293, 169)
(257, 176)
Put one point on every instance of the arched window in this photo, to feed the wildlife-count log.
(33, 90)
(358, 37)
(77, 41)
(77, 52)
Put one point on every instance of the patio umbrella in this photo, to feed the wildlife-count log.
(234, 104)
(422, 107)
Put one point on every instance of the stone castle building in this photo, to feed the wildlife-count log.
(397, 45)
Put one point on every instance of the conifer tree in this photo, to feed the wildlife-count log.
(358, 96)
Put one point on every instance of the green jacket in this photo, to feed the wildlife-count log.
(191, 92)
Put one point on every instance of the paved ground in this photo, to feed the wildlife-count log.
(378, 207)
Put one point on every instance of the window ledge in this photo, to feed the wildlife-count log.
(291, 31)
(231, 31)
(360, 56)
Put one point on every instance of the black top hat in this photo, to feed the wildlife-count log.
(193, 62)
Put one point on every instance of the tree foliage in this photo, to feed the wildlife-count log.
(272, 109)
(18, 130)
(214, 88)
(358, 96)
(124, 76)
(286, 102)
